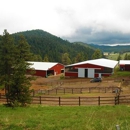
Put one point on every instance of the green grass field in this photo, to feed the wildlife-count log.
(38, 117)
(114, 56)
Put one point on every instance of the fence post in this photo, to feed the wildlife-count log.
(115, 100)
(79, 101)
(64, 90)
(33, 93)
(99, 100)
(99, 90)
(40, 99)
(118, 99)
(81, 90)
(59, 101)
(117, 127)
(89, 90)
(105, 89)
(56, 91)
(0, 95)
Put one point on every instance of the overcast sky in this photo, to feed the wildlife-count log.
(90, 21)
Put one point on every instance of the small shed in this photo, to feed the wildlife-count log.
(45, 69)
(91, 68)
(124, 65)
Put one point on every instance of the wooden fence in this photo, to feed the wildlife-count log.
(78, 90)
(77, 101)
(76, 81)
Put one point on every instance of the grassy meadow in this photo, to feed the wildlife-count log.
(114, 56)
(39, 117)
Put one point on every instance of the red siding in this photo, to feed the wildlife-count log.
(71, 74)
(127, 67)
(37, 73)
(106, 75)
(96, 75)
(40, 73)
(124, 67)
(88, 66)
(57, 68)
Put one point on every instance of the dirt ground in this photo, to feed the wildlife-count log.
(54, 82)
(42, 83)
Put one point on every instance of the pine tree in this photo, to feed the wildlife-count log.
(125, 57)
(65, 59)
(46, 58)
(19, 93)
(14, 68)
(23, 49)
(79, 57)
(119, 57)
(97, 54)
(7, 60)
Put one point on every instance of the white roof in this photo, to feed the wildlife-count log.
(42, 65)
(101, 62)
(126, 62)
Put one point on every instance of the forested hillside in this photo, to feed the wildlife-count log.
(53, 49)
(116, 49)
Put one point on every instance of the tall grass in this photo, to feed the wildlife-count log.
(65, 118)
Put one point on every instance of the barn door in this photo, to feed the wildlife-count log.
(86, 72)
(91, 73)
(81, 72)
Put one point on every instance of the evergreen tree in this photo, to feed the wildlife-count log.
(36, 58)
(7, 60)
(19, 93)
(23, 49)
(119, 57)
(13, 67)
(46, 58)
(128, 57)
(65, 59)
(125, 57)
(79, 57)
(97, 54)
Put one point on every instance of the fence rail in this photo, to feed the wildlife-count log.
(78, 90)
(77, 101)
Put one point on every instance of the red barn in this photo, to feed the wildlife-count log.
(124, 65)
(45, 69)
(91, 68)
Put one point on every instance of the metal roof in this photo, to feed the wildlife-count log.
(42, 65)
(124, 62)
(101, 62)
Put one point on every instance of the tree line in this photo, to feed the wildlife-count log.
(13, 69)
(48, 47)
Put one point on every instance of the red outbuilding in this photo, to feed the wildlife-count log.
(91, 68)
(45, 69)
(124, 65)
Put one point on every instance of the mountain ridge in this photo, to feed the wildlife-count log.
(43, 43)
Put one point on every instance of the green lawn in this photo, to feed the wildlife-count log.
(38, 117)
(114, 56)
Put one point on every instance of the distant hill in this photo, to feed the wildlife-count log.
(46, 44)
(84, 44)
(116, 49)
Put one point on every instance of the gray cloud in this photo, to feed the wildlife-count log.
(90, 21)
(103, 37)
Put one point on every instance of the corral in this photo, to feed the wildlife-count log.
(56, 91)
